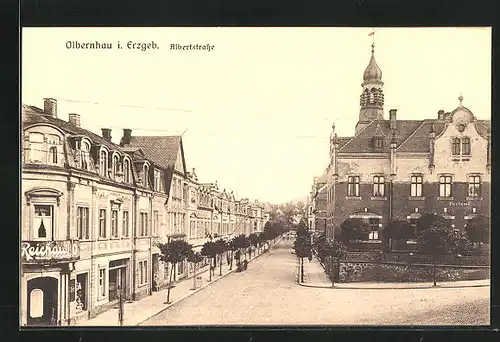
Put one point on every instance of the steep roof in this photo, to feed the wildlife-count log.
(33, 115)
(363, 141)
(411, 135)
(162, 150)
(418, 141)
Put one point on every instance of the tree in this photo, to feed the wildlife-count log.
(302, 229)
(302, 246)
(253, 239)
(427, 221)
(397, 230)
(220, 248)
(195, 259)
(174, 252)
(478, 229)
(239, 242)
(441, 240)
(353, 229)
(260, 240)
(209, 250)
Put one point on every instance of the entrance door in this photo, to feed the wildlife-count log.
(117, 280)
(42, 301)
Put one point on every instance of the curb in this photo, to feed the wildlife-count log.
(197, 290)
(426, 287)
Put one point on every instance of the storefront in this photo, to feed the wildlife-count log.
(47, 276)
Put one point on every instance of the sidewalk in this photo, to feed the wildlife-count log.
(315, 276)
(139, 311)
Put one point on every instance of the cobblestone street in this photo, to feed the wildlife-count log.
(268, 294)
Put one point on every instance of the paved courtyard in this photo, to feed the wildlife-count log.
(268, 294)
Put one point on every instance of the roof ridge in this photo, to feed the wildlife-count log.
(412, 134)
(356, 135)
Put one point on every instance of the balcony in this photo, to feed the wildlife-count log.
(50, 252)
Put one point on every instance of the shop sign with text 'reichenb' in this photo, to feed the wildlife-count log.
(49, 251)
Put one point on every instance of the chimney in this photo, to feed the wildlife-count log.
(441, 114)
(106, 134)
(127, 134)
(50, 106)
(392, 118)
(74, 119)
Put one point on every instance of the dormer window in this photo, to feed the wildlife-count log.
(126, 171)
(116, 166)
(52, 155)
(37, 150)
(85, 155)
(103, 163)
(158, 180)
(378, 142)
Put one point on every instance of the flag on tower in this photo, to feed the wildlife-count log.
(372, 33)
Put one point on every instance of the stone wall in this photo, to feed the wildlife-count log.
(393, 272)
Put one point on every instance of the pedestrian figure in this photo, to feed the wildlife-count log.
(245, 264)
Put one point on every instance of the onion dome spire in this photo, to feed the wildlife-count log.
(372, 71)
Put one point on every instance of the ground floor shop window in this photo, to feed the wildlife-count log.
(117, 278)
(81, 292)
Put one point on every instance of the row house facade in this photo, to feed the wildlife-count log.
(93, 213)
(400, 169)
(316, 211)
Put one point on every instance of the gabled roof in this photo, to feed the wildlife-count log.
(162, 150)
(363, 141)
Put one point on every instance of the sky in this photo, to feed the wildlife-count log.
(256, 111)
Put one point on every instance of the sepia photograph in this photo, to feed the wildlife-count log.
(230, 176)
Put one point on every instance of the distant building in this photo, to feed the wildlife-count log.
(400, 169)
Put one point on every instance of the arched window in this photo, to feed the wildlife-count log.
(85, 149)
(52, 155)
(37, 150)
(116, 164)
(103, 165)
(126, 173)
